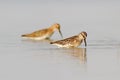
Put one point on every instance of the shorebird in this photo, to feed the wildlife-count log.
(73, 41)
(43, 33)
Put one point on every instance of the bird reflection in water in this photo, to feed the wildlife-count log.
(79, 53)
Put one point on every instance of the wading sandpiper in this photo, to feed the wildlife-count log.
(43, 33)
(71, 42)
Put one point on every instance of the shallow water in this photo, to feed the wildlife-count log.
(26, 59)
(22, 59)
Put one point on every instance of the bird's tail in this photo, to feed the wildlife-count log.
(51, 42)
(23, 35)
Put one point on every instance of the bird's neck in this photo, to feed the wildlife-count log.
(52, 28)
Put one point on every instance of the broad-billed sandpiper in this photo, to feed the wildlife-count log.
(73, 41)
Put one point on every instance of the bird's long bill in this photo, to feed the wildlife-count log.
(60, 33)
(85, 42)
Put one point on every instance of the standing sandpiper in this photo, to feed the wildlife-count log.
(73, 41)
(43, 33)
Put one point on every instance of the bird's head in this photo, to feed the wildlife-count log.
(83, 36)
(56, 26)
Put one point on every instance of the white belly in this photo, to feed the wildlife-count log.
(37, 38)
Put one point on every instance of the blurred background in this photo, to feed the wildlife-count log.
(99, 18)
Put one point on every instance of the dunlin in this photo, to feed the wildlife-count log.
(43, 33)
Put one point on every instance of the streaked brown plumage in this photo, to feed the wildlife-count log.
(73, 41)
(43, 33)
